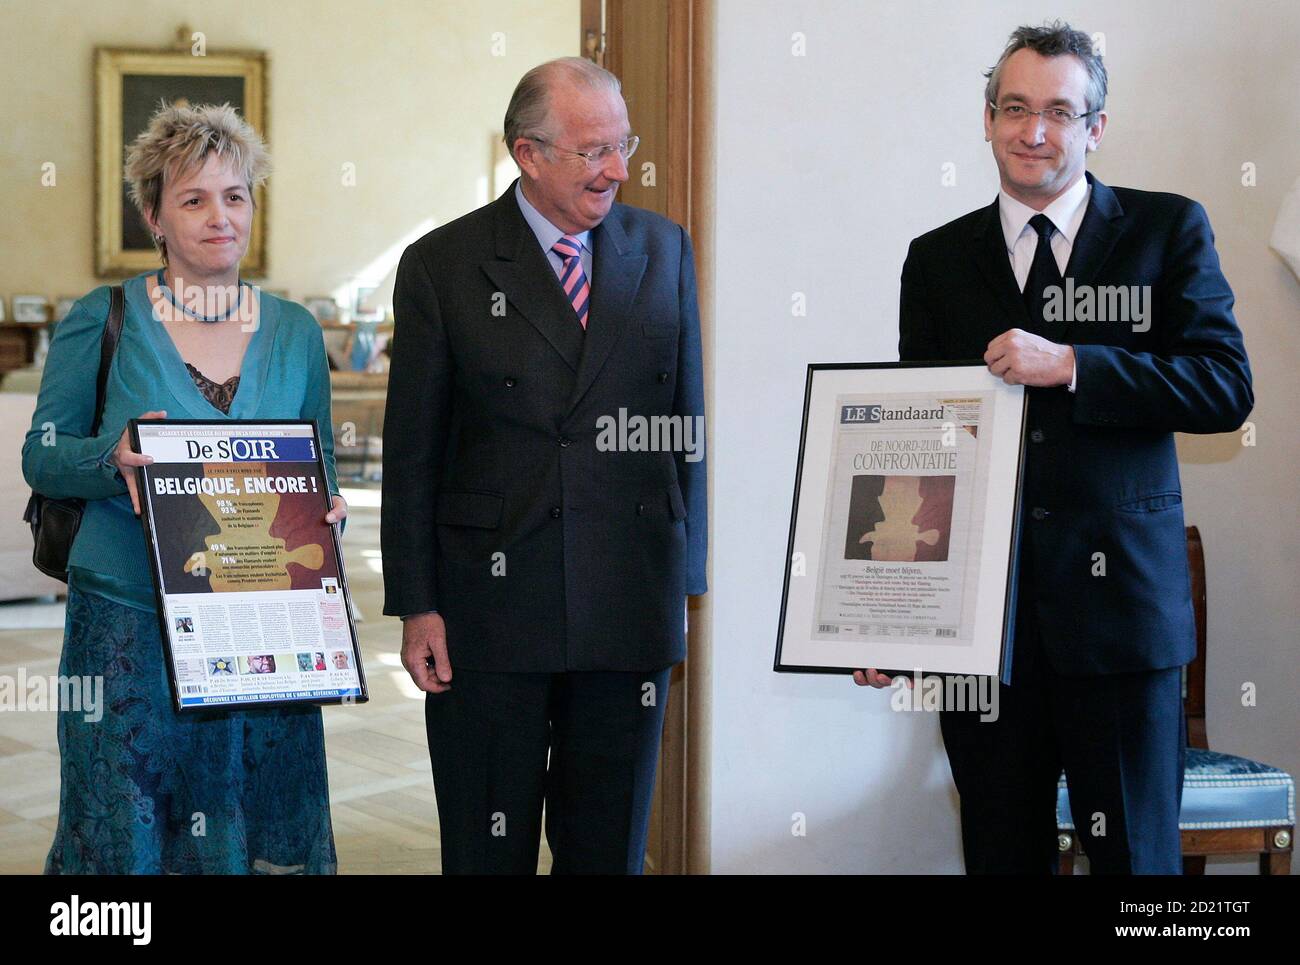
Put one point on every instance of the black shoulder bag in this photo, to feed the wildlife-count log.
(55, 522)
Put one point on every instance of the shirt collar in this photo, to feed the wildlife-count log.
(547, 233)
(1066, 212)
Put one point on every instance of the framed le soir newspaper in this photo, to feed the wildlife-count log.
(252, 598)
(904, 530)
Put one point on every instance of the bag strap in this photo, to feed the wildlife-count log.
(107, 346)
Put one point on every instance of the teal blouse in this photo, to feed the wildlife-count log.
(284, 375)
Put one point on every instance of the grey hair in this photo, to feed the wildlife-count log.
(529, 112)
(1054, 40)
(179, 139)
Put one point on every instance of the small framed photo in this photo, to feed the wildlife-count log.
(63, 306)
(2, 308)
(366, 307)
(324, 308)
(31, 309)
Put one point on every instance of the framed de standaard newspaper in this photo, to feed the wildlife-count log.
(904, 529)
(252, 599)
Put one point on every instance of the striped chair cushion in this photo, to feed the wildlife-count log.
(1220, 791)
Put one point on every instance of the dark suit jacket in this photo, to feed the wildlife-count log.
(542, 552)
(1101, 472)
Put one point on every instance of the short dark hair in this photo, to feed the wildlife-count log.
(1054, 40)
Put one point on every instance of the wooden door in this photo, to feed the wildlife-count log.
(661, 50)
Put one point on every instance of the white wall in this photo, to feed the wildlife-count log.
(828, 165)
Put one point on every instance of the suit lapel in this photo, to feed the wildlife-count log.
(522, 272)
(617, 271)
(1098, 232)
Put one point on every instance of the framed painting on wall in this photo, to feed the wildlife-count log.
(129, 87)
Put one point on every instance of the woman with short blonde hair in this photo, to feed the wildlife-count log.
(179, 138)
(144, 789)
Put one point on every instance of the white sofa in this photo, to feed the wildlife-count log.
(18, 578)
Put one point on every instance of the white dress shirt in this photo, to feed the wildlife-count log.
(1065, 213)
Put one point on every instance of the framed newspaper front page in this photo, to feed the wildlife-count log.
(252, 598)
(904, 530)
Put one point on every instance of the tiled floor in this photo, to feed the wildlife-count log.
(381, 792)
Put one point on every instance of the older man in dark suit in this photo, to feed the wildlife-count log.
(544, 490)
(1110, 306)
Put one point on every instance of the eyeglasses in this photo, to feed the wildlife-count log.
(597, 157)
(1055, 116)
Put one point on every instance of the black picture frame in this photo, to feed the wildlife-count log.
(781, 661)
(142, 474)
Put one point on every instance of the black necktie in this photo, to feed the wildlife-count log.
(1043, 274)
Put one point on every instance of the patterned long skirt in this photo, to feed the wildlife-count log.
(146, 790)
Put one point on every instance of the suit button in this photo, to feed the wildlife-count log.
(510, 383)
(1039, 513)
(565, 442)
(663, 377)
(640, 509)
(555, 512)
(1036, 435)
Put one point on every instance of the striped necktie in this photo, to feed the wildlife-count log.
(573, 279)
